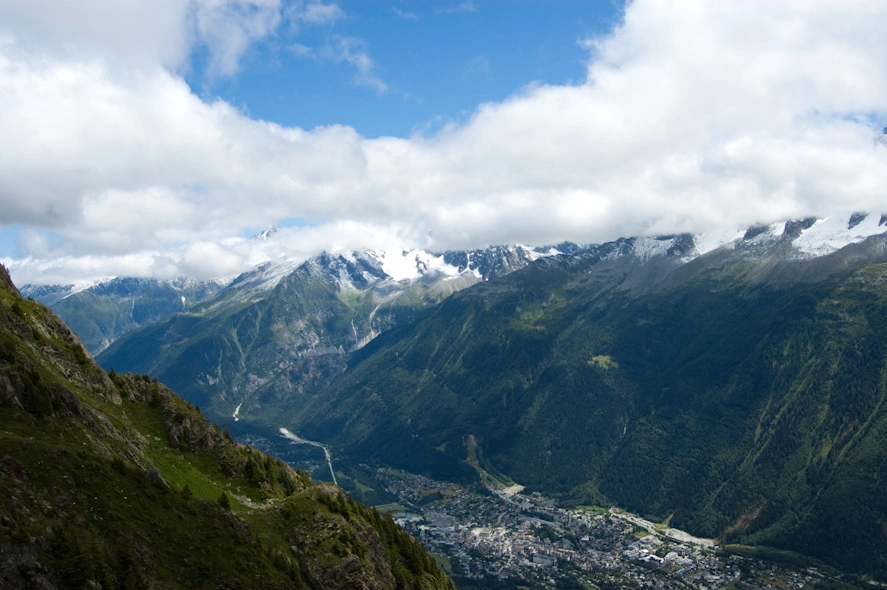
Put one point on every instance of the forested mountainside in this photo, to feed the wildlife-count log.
(742, 393)
(103, 312)
(113, 481)
(287, 327)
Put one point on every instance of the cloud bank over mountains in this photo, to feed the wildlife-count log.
(692, 115)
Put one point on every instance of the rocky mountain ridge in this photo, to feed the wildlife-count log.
(285, 328)
(289, 326)
(102, 311)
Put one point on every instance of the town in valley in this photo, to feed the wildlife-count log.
(496, 536)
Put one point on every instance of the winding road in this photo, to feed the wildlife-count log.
(303, 441)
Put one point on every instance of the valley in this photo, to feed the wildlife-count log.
(301, 441)
(451, 295)
(504, 538)
(528, 540)
(730, 384)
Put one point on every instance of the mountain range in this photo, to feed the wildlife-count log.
(301, 317)
(732, 383)
(102, 311)
(738, 394)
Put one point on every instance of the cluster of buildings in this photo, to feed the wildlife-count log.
(526, 539)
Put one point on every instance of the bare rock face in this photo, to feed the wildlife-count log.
(347, 574)
(157, 479)
(11, 389)
(182, 433)
(177, 433)
(355, 559)
(21, 569)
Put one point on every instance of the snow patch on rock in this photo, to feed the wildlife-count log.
(832, 233)
(710, 241)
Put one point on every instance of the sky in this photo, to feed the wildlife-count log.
(154, 138)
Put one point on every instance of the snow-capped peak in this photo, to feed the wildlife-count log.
(646, 248)
(84, 285)
(267, 232)
(709, 241)
(267, 275)
(833, 233)
(360, 270)
(809, 238)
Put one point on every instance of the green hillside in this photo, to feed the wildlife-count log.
(741, 393)
(101, 314)
(115, 482)
(256, 348)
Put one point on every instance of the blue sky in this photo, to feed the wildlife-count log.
(437, 60)
(153, 137)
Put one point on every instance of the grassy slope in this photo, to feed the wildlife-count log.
(118, 481)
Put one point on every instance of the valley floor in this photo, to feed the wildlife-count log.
(508, 538)
(527, 540)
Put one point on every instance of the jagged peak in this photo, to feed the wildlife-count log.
(362, 269)
(267, 232)
(856, 219)
(645, 248)
(807, 237)
(830, 234)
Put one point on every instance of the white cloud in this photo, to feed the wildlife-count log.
(317, 13)
(229, 27)
(141, 33)
(694, 114)
(314, 14)
(405, 14)
(462, 7)
(349, 50)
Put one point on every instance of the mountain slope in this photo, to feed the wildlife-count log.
(285, 328)
(101, 313)
(115, 482)
(734, 383)
(740, 392)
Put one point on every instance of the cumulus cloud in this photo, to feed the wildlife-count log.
(693, 115)
(136, 32)
(160, 32)
(229, 27)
